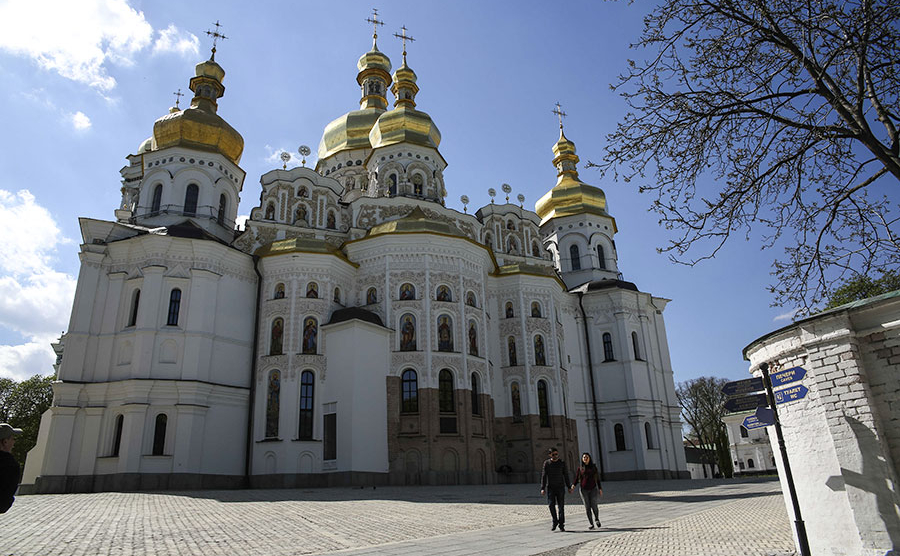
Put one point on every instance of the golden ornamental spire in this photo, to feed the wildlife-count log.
(375, 23)
(559, 112)
(216, 35)
(178, 94)
(404, 37)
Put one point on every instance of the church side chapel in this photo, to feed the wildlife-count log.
(356, 331)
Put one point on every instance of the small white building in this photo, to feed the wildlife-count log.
(751, 451)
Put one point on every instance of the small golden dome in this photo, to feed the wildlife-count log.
(405, 124)
(570, 196)
(374, 59)
(199, 127)
(300, 245)
(415, 222)
(350, 131)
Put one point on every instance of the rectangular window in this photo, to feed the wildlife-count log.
(448, 425)
(329, 440)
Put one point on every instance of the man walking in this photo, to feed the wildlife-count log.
(554, 482)
(9, 467)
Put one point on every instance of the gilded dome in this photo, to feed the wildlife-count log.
(415, 222)
(350, 131)
(374, 59)
(570, 195)
(405, 124)
(199, 127)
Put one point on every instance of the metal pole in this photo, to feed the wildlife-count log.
(798, 520)
(587, 343)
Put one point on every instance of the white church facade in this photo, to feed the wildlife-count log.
(356, 331)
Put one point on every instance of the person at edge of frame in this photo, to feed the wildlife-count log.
(554, 482)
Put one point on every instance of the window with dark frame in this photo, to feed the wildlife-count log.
(445, 392)
(476, 402)
(575, 256)
(329, 437)
(543, 403)
(135, 303)
(159, 434)
(608, 347)
(117, 436)
(619, 431)
(409, 397)
(190, 200)
(174, 307)
(307, 389)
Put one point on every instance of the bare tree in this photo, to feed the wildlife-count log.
(778, 114)
(702, 407)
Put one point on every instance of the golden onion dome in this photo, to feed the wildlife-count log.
(199, 126)
(374, 59)
(570, 196)
(415, 222)
(350, 131)
(405, 124)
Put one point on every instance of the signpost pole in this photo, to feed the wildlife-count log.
(798, 520)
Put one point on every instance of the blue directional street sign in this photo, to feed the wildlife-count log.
(787, 376)
(751, 422)
(741, 387)
(791, 394)
(746, 403)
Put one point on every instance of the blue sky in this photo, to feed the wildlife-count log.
(83, 82)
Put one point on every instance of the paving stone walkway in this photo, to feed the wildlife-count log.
(508, 520)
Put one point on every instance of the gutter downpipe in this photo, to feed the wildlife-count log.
(248, 455)
(587, 343)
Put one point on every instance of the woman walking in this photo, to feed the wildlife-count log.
(588, 478)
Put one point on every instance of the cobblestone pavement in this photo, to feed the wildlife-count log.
(508, 520)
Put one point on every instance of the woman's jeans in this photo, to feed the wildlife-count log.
(590, 499)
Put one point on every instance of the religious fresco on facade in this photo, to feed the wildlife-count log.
(310, 335)
(301, 214)
(471, 301)
(516, 402)
(407, 333)
(535, 309)
(407, 291)
(539, 358)
(473, 339)
(371, 296)
(511, 349)
(329, 222)
(445, 334)
(273, 402)
(444, 294)
(312, 290)
(279, 291)
(509, 310)
(276, 346)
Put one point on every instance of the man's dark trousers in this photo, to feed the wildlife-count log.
(557, 497)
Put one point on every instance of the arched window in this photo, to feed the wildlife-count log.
(750, 463)
(445, 333)
(535, 309)
(270, 211)
(539, 357)
(159, 435)
(471, 300)
(601, 257)
(476, 402)
(174, 307)
(371, 296)
(117, 436)
(157, 199)
(273, 403)
(276, 346)
(279, 291)
(575, 256)
(510, 225)
(489, 241)
(473, 339)
(223, 204)
(619, 431)
(744, 432)
(634, 344)
(543, 403)
(417, 184)
(337, 295)
(407, 291)
(445, 392)
(535, 249)
(443, 294)
(312, 290)
(135, 303)
(511, 350)
(648, 435)
(190, 199)
(509, 310)
(392, 184)
(409, 398)
(329, 221)
(607, 347)
(307, 389)
(516, 400)
(310, 336)
(512, 246)
(407, 333)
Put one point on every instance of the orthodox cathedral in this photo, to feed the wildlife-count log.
(356, 331)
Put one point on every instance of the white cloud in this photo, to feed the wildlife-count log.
(35, 299)
(273, 156)
(172, 39)
(241, 221)
(787, 316)
(80, 121)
